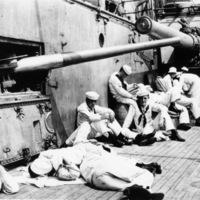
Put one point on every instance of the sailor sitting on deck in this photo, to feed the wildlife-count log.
(94, 121)
(146, 126)
(101, 167)
(8, 184)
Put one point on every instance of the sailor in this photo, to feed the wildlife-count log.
(192, 105)
(169, 81)
(109, 171)
(184, 69)
(181, 87)
(94, 121)
(146, 126)
(8, 184)
(51, 161)
(190, 84)
(119, 88)
(169, 99)
(97, 165)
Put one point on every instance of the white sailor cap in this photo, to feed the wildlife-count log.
(172, 70)
(185, 69)
(149, 88)
(142, 92)
(41, 166)
(127, 69)
(92, 95)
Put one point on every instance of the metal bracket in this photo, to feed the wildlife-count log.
(6, 150)
(44, 107)
(50, 142)
(20, 112)
(41, 108)
(53, 84)
(99, 17)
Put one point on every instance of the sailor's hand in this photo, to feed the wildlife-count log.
(161, 122)
(111, 117)
(134, 85)
(134, 98)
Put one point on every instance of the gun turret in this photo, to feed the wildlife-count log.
(47, 62)
(146, 25)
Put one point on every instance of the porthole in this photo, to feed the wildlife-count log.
(101, 40)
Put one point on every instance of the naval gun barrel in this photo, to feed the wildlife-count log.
(47, 62)
(145, 25)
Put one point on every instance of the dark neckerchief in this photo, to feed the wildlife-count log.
(92, 110)
(142, 115)
(177, 78)
(122, 81)
(172, 82)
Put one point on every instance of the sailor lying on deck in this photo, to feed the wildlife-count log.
(100, 166)
(8, 184)
(146, 126)
(94, 121)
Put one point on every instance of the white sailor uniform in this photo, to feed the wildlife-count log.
(90, 124)
(143, 119)
(119, 90)
(193, 84)
(8, 184)
(172, 95)
(109, 171)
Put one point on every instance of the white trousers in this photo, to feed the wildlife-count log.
(184, 115)
(167, 98)
(150, 127)
(7, 183)
(105, 126)
(194, 92)
(127, 101)
(92, 130)
(192, 103)
(167, 122)
(107, 176)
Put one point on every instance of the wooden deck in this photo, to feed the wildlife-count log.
(180, 178)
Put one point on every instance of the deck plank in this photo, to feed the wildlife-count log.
(180, 178)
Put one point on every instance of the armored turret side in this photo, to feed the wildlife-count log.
(44, 38)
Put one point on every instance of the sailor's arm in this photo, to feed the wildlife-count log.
(163, 110)
(92, 117)
(105, 113)
(129, 118)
